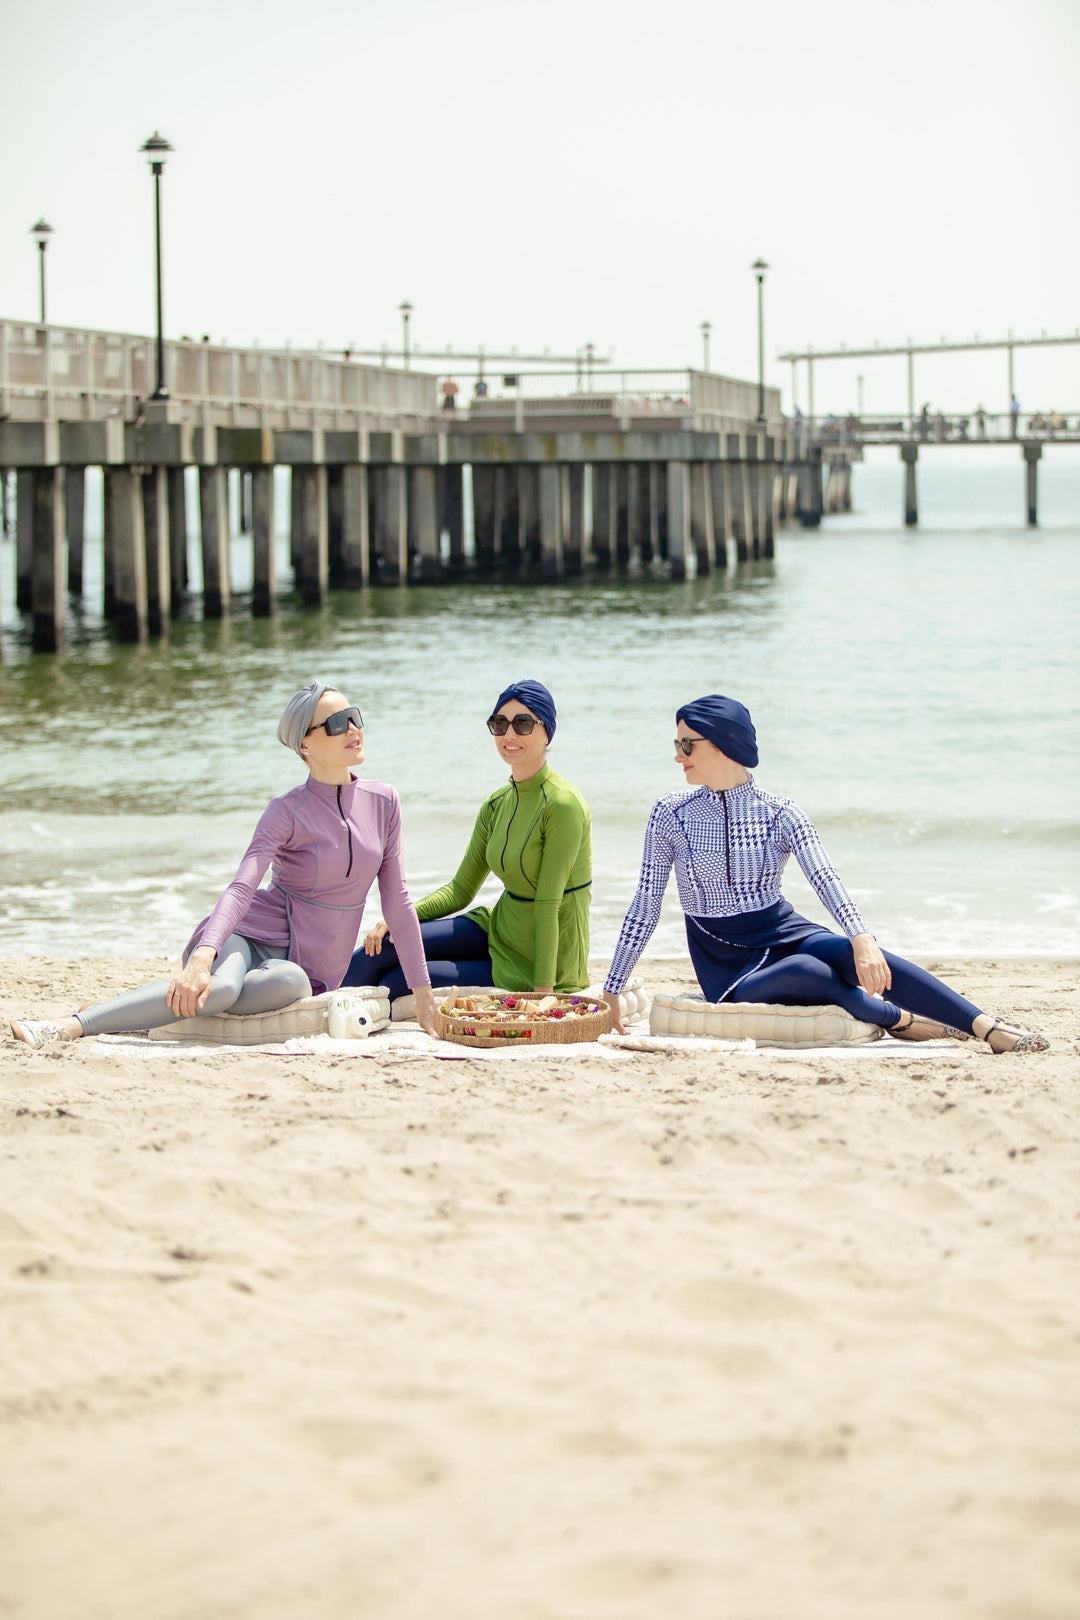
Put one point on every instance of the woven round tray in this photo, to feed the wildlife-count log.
(470, 1028)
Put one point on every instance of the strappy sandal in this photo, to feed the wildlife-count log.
(926, 1029)
(1028, 1041)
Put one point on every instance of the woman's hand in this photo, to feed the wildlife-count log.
(870, 966)
(188, 991)
(543, 990)
(373, 941)
(614, 1002)
(425, 1006)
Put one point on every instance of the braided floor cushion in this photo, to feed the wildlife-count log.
(758, 1021)
(311, 1016)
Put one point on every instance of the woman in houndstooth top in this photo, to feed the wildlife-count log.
(729, 841)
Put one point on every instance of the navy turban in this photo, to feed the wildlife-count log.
(536, 698)
(725, 723)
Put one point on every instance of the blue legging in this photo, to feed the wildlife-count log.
(821, 970)
(456, 949)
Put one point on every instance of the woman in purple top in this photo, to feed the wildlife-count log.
(324, 844)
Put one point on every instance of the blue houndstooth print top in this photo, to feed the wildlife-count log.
(729, 849)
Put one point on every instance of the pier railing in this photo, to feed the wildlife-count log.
(49, 372)
(973, 427)
(700, 400)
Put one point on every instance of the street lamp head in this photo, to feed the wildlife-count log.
(41, 233)
(759, 268)
(405, 307)
(156, 149)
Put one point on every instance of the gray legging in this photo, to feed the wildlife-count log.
(247, 977)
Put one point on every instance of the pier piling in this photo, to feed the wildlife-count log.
(701, 528)
(178, 537)
(423, 504)
(47, 566)
(603, 513)
(155, 494)
(909, 454)
(391, 523)
(264, 550)
(678, 514)
(214, 530)
(311, 544)
(24, 537)
(574, 549)
(126, 550)
(551, 531)
(75, 524)
(1032, 453)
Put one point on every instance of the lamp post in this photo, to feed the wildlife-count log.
(406, 310)
(759, 268)
(156, 148)
(706, 328)
(41, 233)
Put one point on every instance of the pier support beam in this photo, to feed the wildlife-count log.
(311, 543)
(701, 517)
(511, 537)
(178, 537)
(264, 551)
(603, 513)
(721, 511)
(452, 505)
(810, 493)
(347, 513)
(531, 497)
(551, 529)
(24, 537)
(742, 512)
(1032, 453)
(909, 454)
(75, 524)
(214, 527)
(424, 513)
(574, 549)
(678, 515)
(622, 512)
(124, 520)
(391, 523)
(155, 495)
(638, 539)
(483, 485)
(47, 569)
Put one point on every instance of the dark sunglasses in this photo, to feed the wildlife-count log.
(338, 724)
(685, 745)
(523, 724)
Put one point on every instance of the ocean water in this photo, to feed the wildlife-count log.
(915, 691)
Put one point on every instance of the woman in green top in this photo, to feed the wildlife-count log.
(535, 834)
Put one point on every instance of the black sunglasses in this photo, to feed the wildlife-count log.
(337, 724)
(685, 745)
(523, 724)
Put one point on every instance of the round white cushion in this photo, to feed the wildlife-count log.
(311, 1016)
(760, 1022)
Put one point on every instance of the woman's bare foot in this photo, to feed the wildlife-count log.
(1002, 1038)
(40, 1032)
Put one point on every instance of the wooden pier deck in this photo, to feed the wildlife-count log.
(654, 465)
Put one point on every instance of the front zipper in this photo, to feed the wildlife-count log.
(727, 836)
(348, 829)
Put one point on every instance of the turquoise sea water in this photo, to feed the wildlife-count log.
(914, 691)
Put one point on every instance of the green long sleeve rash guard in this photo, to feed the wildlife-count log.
(536, 837)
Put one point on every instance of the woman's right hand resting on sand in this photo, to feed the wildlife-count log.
(188, 991)
(615, 1003)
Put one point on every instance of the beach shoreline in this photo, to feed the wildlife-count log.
(774, 1333)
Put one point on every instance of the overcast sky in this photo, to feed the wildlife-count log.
(551, 174)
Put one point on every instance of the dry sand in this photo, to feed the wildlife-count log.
(762, 1336)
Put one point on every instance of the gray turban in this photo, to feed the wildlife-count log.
(295, 723)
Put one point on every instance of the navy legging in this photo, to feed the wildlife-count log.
(821, 970)
(456, 949)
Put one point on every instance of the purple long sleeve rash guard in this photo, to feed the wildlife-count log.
(324, 846)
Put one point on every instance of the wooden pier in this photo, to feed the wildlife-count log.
(672, 466)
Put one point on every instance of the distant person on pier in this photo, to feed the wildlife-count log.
(729, 842)
(923, 426)
(324, 843)
(449, 394)
(1014, 415)
(481, 389)
(534, 833)
(980, 421)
